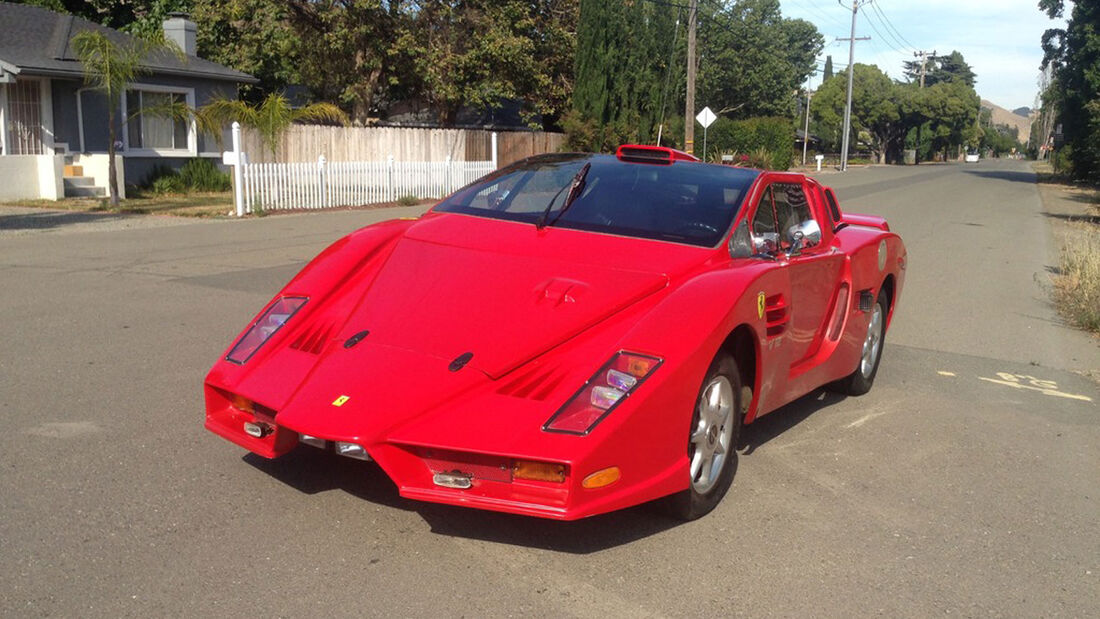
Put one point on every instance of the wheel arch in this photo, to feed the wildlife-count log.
(744, 346)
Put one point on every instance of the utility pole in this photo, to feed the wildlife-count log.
(851, 75)
(689, 113)
(924, 58)
(806, 131)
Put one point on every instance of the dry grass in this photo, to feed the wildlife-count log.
(1077, 285)
(189, 205)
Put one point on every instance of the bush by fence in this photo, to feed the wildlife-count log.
(773, 135)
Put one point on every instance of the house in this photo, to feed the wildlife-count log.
(53, 129)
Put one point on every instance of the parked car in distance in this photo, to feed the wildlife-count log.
(570, 335)
(972, 157)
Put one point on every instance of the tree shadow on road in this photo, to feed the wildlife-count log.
(46, 220)
(1005, 175)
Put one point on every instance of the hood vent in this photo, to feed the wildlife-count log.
(313, 339)
(536, 384)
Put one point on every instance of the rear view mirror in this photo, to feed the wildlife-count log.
(805, 234)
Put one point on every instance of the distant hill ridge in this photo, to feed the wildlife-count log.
(1001, 116)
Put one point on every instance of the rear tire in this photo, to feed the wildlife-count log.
(860, 381)
(712, 441)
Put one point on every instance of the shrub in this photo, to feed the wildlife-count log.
(203, 175)
(169, 183)
(157, 171)
(756, 136)
(408, 200)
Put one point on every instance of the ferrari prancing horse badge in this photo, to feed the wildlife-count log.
(760, 305)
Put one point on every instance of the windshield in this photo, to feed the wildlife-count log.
(683, 202)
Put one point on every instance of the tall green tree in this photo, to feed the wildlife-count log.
(254, 36)
(480, 53)
(828, 69)
(622, 65)
(945, 68)
(754, 60)
(1074, 54)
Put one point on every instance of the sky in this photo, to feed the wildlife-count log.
(1000, 39)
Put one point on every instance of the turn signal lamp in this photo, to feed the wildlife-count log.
(538, 471)
(273, 319)
(607, 388)
(243, 404)
(602, 477)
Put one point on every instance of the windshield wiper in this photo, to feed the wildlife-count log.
(576, 186)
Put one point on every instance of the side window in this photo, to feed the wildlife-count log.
(791, 208)
(763, 222)
(834, 210)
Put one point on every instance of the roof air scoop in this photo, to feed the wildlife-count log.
(659, 155)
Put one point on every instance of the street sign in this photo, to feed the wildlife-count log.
(706, 117)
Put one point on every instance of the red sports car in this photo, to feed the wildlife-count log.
(570, 335)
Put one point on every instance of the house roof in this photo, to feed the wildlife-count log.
(37, 41)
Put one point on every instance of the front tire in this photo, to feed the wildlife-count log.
(860, 381)
(712, 441)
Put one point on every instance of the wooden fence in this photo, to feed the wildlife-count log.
(306, 143)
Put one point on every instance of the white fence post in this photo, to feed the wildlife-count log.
(390, 189)
(448, 186)
(238, 170)
(322, 197)
(494, 150)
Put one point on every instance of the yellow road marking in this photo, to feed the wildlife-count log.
(1045, 387)
(942, 373)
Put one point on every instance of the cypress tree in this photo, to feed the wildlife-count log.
(828, 69)
(621, 62)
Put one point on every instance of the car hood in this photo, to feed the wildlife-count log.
(442, 293)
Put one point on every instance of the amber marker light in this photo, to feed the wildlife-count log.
(243, 404)
(538, 471)
(602, 478)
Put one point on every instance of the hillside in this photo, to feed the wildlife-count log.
(1002, 116)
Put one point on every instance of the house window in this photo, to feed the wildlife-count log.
(149, 122)
(25, 110)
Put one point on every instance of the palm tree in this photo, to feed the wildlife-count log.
(110, 68)
(270, 118)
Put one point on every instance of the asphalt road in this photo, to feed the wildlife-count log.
(966, 483)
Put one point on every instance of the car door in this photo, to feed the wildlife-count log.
(814, 274)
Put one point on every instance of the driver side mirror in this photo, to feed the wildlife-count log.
(805, 234)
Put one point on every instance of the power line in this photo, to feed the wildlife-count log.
(668, 75)
(900, 50)
(890, 24)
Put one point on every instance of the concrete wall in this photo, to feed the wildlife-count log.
(31, 177)
(96, 166)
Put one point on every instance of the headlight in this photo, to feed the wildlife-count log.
(607, 388)
(265, 326)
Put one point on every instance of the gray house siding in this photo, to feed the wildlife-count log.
(93, 110)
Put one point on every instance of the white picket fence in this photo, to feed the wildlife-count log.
(325, 184)
(273, 186)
